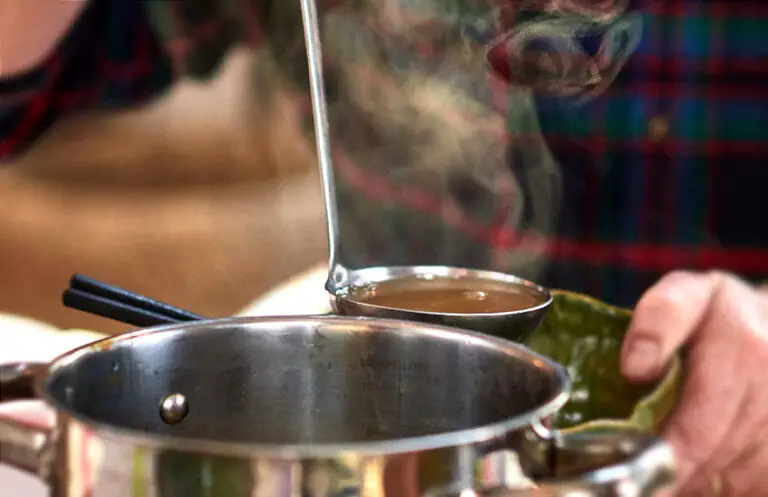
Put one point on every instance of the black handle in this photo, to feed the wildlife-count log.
(101, 289)
(111, 302)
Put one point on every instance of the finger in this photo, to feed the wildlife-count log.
(666, 315)
(724, 365)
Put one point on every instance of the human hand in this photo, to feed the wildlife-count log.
(719, 430)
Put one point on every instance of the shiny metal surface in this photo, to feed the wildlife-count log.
(308, 383)
(20, 443)
(301, 406)
(512, 325)
(337, 273)
(649, 466)
(174, 408)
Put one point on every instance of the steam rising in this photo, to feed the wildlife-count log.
(434, 93)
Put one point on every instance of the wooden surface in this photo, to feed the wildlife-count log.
(205, 200)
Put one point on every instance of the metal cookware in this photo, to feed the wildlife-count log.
(512, 325)
(313, 406)
(342, 281)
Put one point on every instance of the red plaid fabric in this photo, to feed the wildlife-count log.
(622, 141)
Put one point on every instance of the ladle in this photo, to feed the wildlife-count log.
(337, 273)
(342, 283)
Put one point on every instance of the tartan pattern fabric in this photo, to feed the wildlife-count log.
(664, 169)
(111, 58)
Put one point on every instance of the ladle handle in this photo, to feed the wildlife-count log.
(337, 274)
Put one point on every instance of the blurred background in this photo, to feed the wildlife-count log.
(205, 198)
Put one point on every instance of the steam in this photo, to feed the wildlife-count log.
(422, 106)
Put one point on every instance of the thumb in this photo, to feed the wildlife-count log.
(665, 317)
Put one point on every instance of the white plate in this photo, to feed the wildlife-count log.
(302, 294)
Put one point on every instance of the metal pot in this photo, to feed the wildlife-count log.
(513, 325)
(314, 406)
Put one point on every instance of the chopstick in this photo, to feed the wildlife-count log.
(111, 302)
(101, 289)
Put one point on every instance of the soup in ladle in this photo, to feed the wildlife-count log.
(447, 295)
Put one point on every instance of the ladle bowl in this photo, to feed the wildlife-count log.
(349, 298)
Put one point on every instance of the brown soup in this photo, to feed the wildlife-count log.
(449, 295)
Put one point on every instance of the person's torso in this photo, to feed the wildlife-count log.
(639, 153)
(667, 168)
(658, 142)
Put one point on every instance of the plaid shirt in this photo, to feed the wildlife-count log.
(645, 153)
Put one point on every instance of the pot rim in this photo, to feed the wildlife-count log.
(384, 447)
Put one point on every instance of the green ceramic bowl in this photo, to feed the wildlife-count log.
(585, 336)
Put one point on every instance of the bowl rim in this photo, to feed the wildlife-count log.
(666, 385)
